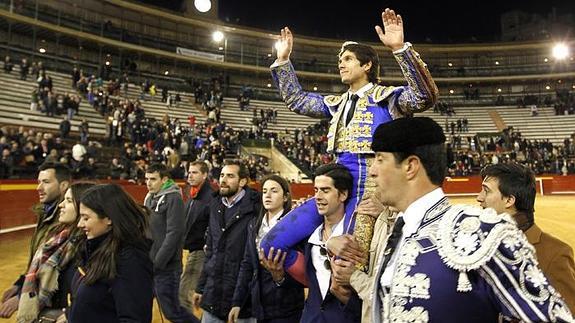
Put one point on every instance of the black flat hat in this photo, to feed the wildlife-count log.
(405, 134)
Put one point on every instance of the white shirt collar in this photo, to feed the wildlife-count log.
(415, 212)
(361, 90)
(315, 237)
(273, 220)
(323, 275)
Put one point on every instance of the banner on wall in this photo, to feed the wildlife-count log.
(198, 54)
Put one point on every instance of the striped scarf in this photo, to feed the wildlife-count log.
(41, 281)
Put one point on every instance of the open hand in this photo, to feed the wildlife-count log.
(273, 264)
(392, 33)
(284, 45)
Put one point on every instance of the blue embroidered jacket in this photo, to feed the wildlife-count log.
(466, 264)
(380, 104)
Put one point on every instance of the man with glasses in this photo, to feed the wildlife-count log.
(328, 302)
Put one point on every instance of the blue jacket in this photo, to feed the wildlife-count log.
(226, 241)
(330, 309)
(268, 300)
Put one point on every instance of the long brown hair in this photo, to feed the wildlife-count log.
(129, 228)
(77, 190)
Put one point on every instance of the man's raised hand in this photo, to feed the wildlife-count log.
(284, 45)
(392, 33)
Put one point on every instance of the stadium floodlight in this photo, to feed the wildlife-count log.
(218, 36)
(560, 51)
(42, 50)
(203, 5)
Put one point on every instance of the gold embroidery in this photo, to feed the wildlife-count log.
(333, 100)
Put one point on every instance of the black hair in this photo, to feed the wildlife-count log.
(432, 157)
(342, 179)
(518, 181)
(364, 55)
(62, 171)
(286, 193)
(243, 170)
(160, 168)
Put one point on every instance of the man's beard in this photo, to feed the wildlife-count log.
(230, 191)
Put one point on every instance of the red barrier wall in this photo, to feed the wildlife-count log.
(17, 196)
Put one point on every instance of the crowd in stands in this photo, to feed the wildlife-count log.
(141, 140)
(539, 155)
(565, 103)
(24, 150)
(306, 148)
(443, 108)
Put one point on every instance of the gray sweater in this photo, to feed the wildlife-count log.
(167, 223)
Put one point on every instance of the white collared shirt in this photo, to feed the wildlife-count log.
(265, 227)
(323, 274)
(360, 93)
(412, 217)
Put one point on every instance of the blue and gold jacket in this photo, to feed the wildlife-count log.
(378, 105)
(467, 264)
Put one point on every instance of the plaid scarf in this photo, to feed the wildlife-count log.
(41, 281)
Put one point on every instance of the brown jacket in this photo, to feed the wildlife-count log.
(556, 260)
(362, 282)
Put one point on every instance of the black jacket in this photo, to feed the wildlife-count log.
(226, 241)
(126, 298)
(197, 218)
(330, 309)
(268, 301)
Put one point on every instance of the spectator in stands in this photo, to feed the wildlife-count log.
(115, 268)
(42, 150)
(53, 181)
(48, 281)
(65, 127)
(197, 214)
(84, 129)
(6, 163)
(230, 214)
(78, 152)
(273, 295)
(510, 188)
(8, 65)
(24, 69)
(117, 169)
(168, 225)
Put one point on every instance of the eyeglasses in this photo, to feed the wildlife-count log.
(323, 252)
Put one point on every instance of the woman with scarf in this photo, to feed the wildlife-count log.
(47, 283)
(273, 296)
(113, 282)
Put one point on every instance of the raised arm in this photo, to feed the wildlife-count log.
(283, 74)
(421, 93)
(284, 45)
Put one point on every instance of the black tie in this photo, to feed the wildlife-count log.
(393, 241)
(354, 98)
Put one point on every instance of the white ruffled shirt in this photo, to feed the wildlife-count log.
(412, 217)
